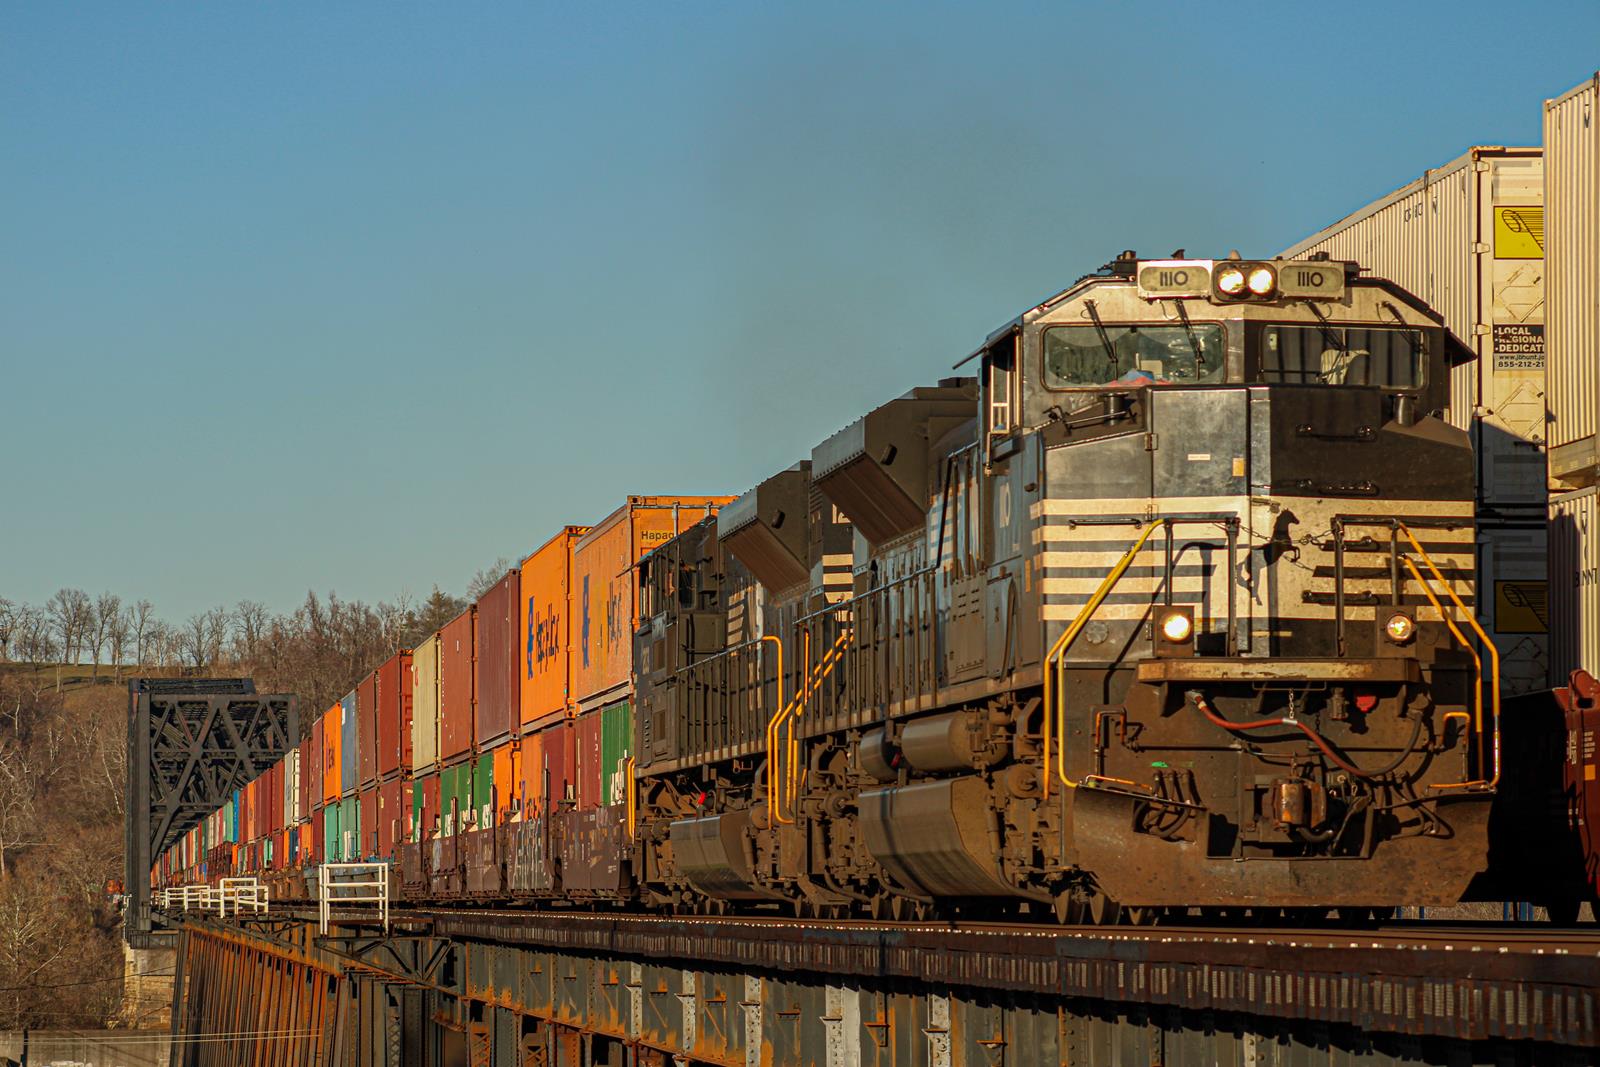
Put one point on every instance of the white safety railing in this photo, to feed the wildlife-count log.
(188, 897)
(352, 883)
(244, 894)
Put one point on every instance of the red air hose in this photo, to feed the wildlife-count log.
(1260, 724)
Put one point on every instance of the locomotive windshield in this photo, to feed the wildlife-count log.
(1079, 357)
(1387, 357)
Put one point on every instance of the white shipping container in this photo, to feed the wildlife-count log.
(1572, 192)
(425, 704)
(1574, 584)
(1468, 240)
(1512, 603)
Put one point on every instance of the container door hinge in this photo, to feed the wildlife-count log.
(1150, 443)
(1480, 247)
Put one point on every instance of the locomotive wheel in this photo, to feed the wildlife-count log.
(1563, 912)
(1141, 916)
(1069, 908)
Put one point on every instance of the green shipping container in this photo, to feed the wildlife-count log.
(455, 797)
(616, 745)
(330, 834)
(483, 791)
(350, 829)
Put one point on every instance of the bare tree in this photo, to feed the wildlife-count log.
(485, 579)
(118, 631)
(102, 616)
(250, 619)
(70, 612)
(8, 623)
(32, 637)
(143, 617)
(19, 821)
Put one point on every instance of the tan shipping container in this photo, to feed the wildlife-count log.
(603, 587)
(425, 704)
(1574, 584)
(1468, 239)
(545, 680)
(1572, 196)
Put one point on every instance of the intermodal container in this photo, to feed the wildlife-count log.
(275, 798)
(1574, 584)
(616, 746)
(455, 687)
(1572, 194)
(425, 807)
(591, 776)
(393, 816)
(349, 745)
(332, 742)
(313, 766)
(483, 792)
(545, 631)
(561, 764)
(367, 732)
(495, 662)
(1468, 239)
(369, 822)
(247, 811)
(455, 798)
(531, 776)
(1512, 594)
(425, 704)
(292, 792)
(507, 780)
(603, 587)
(393, 700)
(350, 828)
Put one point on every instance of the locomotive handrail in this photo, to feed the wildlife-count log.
(790, 782)
(1494, 659)
(631, 793)
(1058, 650)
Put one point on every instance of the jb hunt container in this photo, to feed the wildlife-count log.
(392, 698)
(349, 745)
(455, 687)
(425, 705)
(1468, 240)
(1572, 196)
(545, 631)
(603, 587)
(332, 741)
(495, 662)
(1574, 584)
(367, 731)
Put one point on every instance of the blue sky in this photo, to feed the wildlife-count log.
(360, 297)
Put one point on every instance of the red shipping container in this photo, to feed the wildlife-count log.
(319, 840)
(456, 697)
(495, 662)
(394, 811)
(307, 760)
(394, 715)
(368, 846)
(312, 769)
(274, 798)
(590, 773)
(430, 807)
(560, 765)
(367, 732)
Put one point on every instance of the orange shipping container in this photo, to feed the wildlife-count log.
(331, 748)
(546, 620)
(603, 586)
(531, 787)
(506, 780)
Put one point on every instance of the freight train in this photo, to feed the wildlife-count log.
(1168, 606)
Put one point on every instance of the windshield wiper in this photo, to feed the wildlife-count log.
(1412, 335)
(1194, 341)
(1333, 340)
(1105, 338)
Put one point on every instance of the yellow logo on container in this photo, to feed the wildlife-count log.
(1519, 232)
(1521, 607)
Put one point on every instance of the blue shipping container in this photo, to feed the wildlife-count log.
(349, 746)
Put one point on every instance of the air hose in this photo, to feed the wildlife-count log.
(1198, 699)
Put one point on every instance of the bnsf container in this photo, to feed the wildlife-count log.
(1572, 193)
(545, 631)
(332, 742)
(455, 687)
(349, 745)
(367, 732)
(425, 704)
(603, 587)
(393, 700)
(1468, 239)
(1574, 584)
(495, 662)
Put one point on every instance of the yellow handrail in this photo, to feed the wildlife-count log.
(1052, 661)
(632, 794)
(1494, 660)
(772, 725)
(824, 667)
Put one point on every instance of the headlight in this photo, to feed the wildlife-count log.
(1177, 627)
(1262, 280)
(1231, 281)
(1400, 628)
